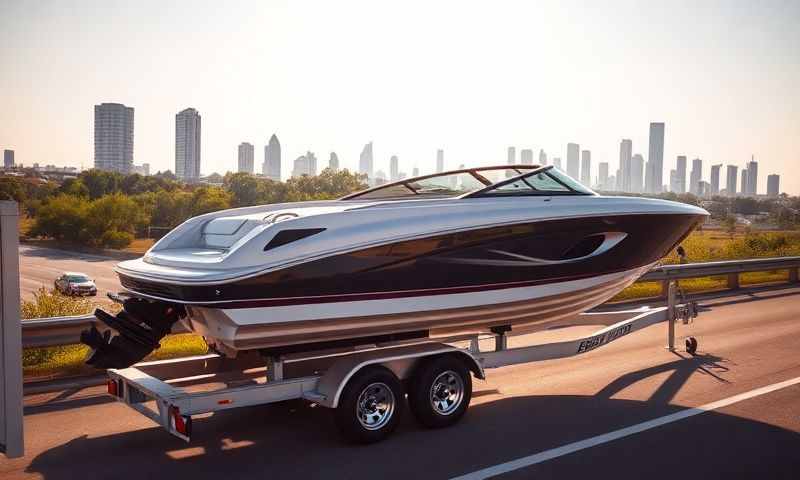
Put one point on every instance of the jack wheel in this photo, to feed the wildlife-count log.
(691, 345)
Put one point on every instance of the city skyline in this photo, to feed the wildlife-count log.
(744, 101)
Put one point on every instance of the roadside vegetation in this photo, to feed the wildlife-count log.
(109, 210)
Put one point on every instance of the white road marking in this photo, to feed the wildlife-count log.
(617, 434)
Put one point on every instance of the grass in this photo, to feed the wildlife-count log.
(700, 246)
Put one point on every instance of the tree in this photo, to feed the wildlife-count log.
(208, 198)
(62, 217)
(100, 183)
(729, 222)
(245, 189)
(12, 188)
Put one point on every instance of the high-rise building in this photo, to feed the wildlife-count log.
(730, 180)
(271, 168)
(625, 155)
(773, 185)
(365, 163)
(674, 184)
(714, 186)
(680, 174)
(512, 155)
(8, 158)
(637, 173)
(439, 161)
(312, 163)
(573, 161)
(113, 137)
(394, 168)
(586, 167)
(300, 166)
(743, 187)
(333, 162)
(602, 176)
(415, 172)
(526, 156)
(542, 158)
(557, 162)
(752, 177)
(696, 176)
(187, 145)
(247, 155)
(655, 157)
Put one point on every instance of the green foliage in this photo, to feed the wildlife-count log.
(116, 239)
(62, 217)
(50, 303)
(12, 188)
(207, 199)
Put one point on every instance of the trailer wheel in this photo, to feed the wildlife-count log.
(440, 392)
(691, 345)
(370, 405)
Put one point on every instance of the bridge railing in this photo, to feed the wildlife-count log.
(46, 332)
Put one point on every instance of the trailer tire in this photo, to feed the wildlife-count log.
(370, 405)
(440, 392)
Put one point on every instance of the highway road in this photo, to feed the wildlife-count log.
(40, 266)
(585, 416)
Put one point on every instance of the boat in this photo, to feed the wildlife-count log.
(488, 249)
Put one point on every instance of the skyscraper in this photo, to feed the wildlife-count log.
(526, 156)
(655, 158)
(542, 158)
(573, 163)
(8, 158)
(773, 185)
(743, 188)
(113, 137)
(680, 174)
(394, 168)
(187, 145)
(333, 162)
(752, 177)
(300, 166)
(271, 168)
(246, 157)
(512, 155)
(696, 176)
(415, 172)
(439, 161)
(602, 176)
(625, 153)
(557, 162)
(312, 163)
(586, 167)
(730, 180)
(714, 188)
(365, 161)
(637, 172)
(674, 184)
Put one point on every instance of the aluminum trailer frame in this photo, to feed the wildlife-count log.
(173, 407)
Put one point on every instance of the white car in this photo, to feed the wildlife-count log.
(75, 283)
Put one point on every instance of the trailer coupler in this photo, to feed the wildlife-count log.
(139, 327)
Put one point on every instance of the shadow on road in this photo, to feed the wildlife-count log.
(298, 440)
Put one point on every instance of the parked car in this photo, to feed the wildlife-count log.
(75, 283)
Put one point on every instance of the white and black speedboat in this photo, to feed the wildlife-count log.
(475, 249)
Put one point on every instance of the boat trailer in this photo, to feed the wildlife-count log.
(364, 385)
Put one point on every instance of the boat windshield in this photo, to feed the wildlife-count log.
(448, 184)
(542, 181)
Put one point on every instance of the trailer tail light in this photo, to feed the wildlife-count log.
(113, 388)
(183, 425)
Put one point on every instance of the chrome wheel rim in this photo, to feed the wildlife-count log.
(375, 406)
(447, 392)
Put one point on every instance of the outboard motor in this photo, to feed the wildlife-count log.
(139, 327)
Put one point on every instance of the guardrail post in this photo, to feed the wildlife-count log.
(11, 439)
(672, 290)
(733, 281)
(665, 289)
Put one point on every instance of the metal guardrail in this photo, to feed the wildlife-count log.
(44, 332)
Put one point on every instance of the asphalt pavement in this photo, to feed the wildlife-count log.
(39, 267)
(525, 421)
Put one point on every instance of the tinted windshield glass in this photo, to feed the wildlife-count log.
(77, 278)
(543, 181)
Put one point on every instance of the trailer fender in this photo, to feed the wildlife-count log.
(400, 360)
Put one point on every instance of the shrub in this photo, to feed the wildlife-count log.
(116, 239)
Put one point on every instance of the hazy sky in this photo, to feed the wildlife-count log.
(470, 77)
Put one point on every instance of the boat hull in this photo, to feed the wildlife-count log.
(531, 308)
